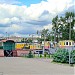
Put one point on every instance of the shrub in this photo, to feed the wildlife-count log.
(49, 55)
(73, 56)
(45, 54)
(61, 56)
(1, 47)
(40, 55)
(30, 55)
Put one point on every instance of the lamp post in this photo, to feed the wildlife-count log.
(44, 36)
(69, 20)
(7, 36)
(32, 35)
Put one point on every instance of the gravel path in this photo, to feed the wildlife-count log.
(33, 66)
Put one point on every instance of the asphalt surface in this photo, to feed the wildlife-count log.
(33, 66)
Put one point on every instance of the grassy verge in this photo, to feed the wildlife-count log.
(40, 56)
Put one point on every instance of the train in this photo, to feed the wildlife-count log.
(10, 48)
(67, 44)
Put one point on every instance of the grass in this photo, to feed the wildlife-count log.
(40, 56)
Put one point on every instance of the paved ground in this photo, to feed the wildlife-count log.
(24, 66)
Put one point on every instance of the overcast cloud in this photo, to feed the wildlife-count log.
(21, 20)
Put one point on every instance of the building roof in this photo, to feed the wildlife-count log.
(7, 40)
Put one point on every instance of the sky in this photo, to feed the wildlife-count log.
(24, 17)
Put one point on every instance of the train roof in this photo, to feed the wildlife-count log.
(66, 41)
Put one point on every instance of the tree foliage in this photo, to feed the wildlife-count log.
(61, 26)
(60, 29)
(62, 55)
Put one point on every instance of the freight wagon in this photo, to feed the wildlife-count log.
(8, 47)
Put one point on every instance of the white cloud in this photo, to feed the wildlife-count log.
(11, 11)
(13, 28)
(4, 21)
(1, 35)
(14, 18)
(49, 26)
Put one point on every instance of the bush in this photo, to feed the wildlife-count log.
(40, 55)
(73, 56)
(62, 55)
(30, 55)
(49, 55)
(45, 54)
(1, 47)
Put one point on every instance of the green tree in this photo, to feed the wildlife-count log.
(44, 35)
(55, 27)
(61, 26)
(23, 40)
(29, 40)
(67, 25)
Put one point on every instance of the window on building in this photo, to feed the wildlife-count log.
(60, 43)
(66, 43)
(69, 43)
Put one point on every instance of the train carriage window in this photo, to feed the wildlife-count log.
(66, 43)
(69, 43)
(60, 43)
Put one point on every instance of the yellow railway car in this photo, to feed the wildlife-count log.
(19, 45)
(35, 46)
(28, 46)
(66, 43)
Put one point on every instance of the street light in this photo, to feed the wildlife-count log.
(69, 20)
(44, 36)
(32, 35)
(7, 36)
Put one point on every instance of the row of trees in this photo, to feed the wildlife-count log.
(60, 29)
(26, 40)
(61, 25)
